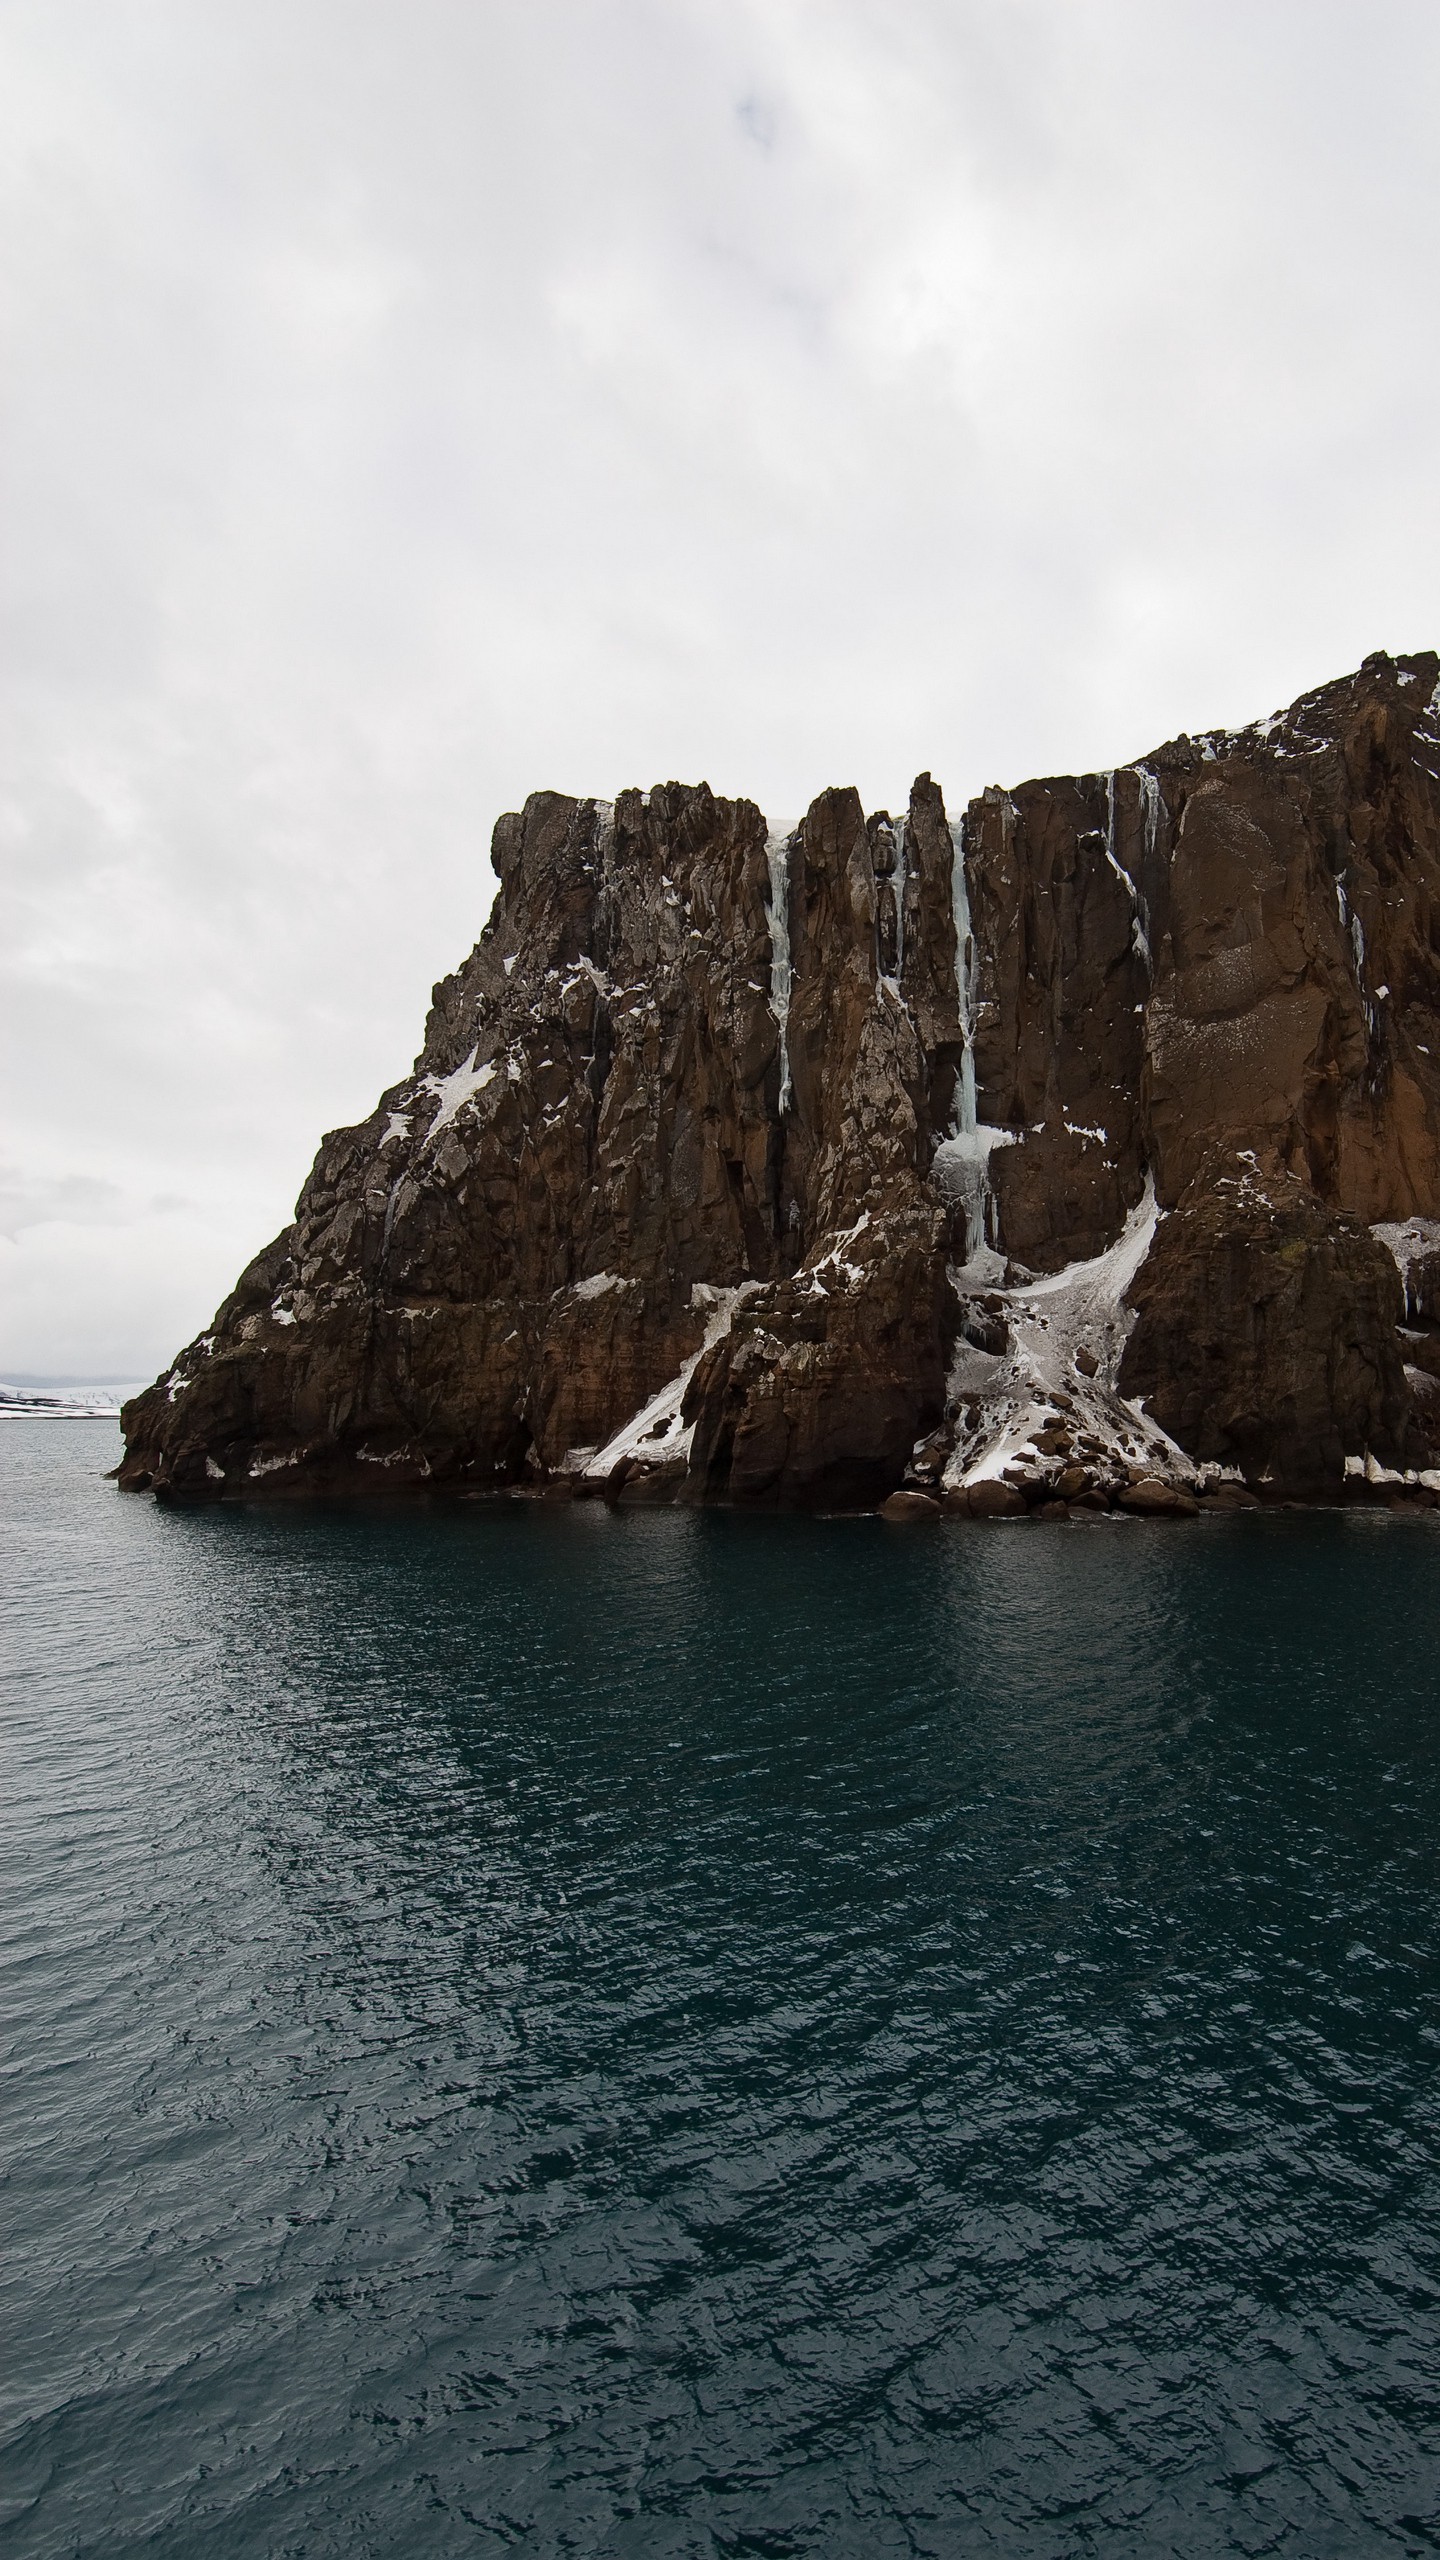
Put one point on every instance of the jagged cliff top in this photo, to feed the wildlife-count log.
(732, 1156)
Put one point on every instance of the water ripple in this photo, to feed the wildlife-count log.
(550, 2031)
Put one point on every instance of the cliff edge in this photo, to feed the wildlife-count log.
(1083, 1148)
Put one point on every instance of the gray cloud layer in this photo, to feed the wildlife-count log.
(410, 406)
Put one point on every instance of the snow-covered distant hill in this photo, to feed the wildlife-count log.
(61, 1404)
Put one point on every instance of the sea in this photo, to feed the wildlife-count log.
(532, 2029)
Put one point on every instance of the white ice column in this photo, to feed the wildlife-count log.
(777, 864)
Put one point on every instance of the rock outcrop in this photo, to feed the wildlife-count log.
(1088, 1143)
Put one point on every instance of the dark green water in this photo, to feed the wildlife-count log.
(545, 2031)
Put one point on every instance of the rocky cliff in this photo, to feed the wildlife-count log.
(1089, 1140)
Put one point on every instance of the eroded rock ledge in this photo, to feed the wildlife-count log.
(1082, 1150)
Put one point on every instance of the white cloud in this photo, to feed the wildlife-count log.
(407, 408)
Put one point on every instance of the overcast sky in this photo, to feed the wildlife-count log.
(408, 404)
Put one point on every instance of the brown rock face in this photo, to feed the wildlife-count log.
(990, 1500)
(1155, 1500)
(1266, 1334)
(902, 1505)
(744, 1169)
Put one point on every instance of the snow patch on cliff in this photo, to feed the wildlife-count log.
(656, 1433)
(407, 1456)
(274, 1464)
(1006, 1401)
(453, 1091)
(1407, 1243)
(836, 1259)
(1365, 1468)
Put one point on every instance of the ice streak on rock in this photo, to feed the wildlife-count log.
(777, 865)
(961, 1163)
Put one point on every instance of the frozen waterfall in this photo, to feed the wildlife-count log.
(962, 1161)
(777, 864)
(1139, 912)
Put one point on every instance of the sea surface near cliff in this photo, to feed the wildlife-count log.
(539, 2029)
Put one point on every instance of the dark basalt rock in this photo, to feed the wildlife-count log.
(1267, 1334)
(630, 1227)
